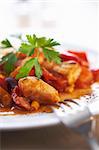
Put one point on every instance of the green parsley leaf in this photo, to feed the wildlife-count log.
(41, 42)
(5, 58)
(26, 68)
(8, 61)
(27, 49)
(32, 39)
(38, 70)
(34, 42)
(51, 43)
(6, 43)
(52, 55)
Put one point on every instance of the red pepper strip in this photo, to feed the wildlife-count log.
(32, 72)
(47, 75)
(85, 79)
(67, 57)
(95, 75)
(82, 55)
(58, 82)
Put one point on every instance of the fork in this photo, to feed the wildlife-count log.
(76, 114)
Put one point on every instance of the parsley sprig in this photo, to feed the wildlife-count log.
(34, 42)
(52, 55)
(6, 43)
(9, 61)
(26, 68)
(28, 47)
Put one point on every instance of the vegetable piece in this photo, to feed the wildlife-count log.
(48, 76)
(15, 72)
(38, 71)
(57, 82)
(6, 43)
(20, 55)
(26, 68)
(52, 55)
(95, 75)
(5, 58)
(32, 48)
(5, 98)
(41, 42)
(34, 42)
(82, 55)
(8, 61)
(32, 72)
(79, 57)
(68, 56)
(26, 49)
(85, 79)
(39, 54)
(11, 83)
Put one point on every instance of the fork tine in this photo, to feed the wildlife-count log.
(65, 104)
(71, 101)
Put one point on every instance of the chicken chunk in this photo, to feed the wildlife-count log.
(70, 70)
(37, 89)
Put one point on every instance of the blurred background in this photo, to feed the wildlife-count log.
(69, 21)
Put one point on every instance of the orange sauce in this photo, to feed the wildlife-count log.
(15, 111)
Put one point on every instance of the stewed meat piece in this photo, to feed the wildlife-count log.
(37, 89)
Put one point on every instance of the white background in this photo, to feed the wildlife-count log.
(70, 21)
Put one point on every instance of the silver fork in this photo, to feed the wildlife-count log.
(77, 114)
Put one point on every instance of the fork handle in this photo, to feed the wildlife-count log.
(76, 119)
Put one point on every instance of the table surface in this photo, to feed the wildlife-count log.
(50, 138)
(55, 137)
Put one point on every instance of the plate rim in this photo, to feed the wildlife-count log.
(50, 121)
(43, 121)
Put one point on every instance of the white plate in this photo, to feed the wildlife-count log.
(35, 120)
(27, 121)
